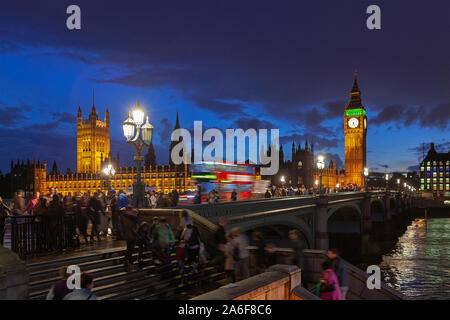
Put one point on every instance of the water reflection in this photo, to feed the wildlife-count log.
(419, 266)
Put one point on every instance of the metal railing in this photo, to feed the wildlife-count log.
(32, 235)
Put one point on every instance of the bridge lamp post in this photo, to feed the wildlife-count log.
(320, 166)
(139, 136)
(366, 174)
(387, 180)
(109, 172)
(282, 179)
(337, 187)
(398, 184)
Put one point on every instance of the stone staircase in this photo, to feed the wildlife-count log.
(112, 281)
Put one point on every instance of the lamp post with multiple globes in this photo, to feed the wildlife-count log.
(366, 174)
(320, 166)
(109, 172)
(139, 136)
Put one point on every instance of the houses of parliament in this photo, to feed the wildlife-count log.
(93, 154)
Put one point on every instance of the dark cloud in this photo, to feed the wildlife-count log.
(413, 168)
(11, 115)
(254, 123)
(64, 117)
(403, 115)
(165, 129)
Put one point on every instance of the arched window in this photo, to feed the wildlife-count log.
(300, 164)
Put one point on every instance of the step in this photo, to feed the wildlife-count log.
(117, 273)
(65, 261)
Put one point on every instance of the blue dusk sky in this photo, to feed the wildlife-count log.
(232, 64)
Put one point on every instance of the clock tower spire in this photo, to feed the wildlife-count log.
(355, 130)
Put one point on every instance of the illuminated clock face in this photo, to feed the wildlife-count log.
(353, 122)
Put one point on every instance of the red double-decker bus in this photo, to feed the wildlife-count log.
(224, 177)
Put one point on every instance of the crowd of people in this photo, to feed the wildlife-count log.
(112, 215)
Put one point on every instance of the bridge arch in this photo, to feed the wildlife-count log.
(377, 210)
(336, 208)
(277, 225)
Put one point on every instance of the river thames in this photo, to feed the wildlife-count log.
(419, 266)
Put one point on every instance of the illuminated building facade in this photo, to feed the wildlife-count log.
(331, 177)
(435, 173)
(92, 141)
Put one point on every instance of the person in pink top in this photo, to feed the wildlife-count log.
(33, 202)
(329, 283)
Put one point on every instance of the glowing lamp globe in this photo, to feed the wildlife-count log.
(147, 131)
(128, 128)
(138, 116)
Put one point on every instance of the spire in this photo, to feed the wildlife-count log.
(355, 82)
(107, 115)
(79, 111)
(355, 95)
(177, 123)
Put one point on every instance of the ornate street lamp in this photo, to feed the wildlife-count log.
(282, 179)
(109, 172)
(398, 184)
(387, 181)
(320, 166)
(138, 135)
(366, 174)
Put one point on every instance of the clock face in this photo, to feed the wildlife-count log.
(353, 122)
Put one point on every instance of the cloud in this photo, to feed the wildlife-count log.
(425, 117)
(11, 115)
(64, 117)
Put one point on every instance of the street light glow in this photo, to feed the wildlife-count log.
(366, 172)
(128, 128)
(138, 116)
(320, 162)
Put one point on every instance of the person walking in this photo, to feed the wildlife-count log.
(328, 286)
(55, 223)
(143, 242)
(259, 243)
(4, 212)
(220, 241)
(94, 210)
(180, 256)
(32, 203)
(59, 290)
(130, 223)
(18, 204)
(153, 199)
(85, 292)
(163, 238)
(229, 258)
(297, 248)
(212, 196)
(175, 198)
(234, 195)
(122, 201)
(192, 238)
(241, 258)
(338, 265)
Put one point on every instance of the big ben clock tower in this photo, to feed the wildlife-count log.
(355, 130)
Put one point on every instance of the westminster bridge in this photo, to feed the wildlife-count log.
(314, 216)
